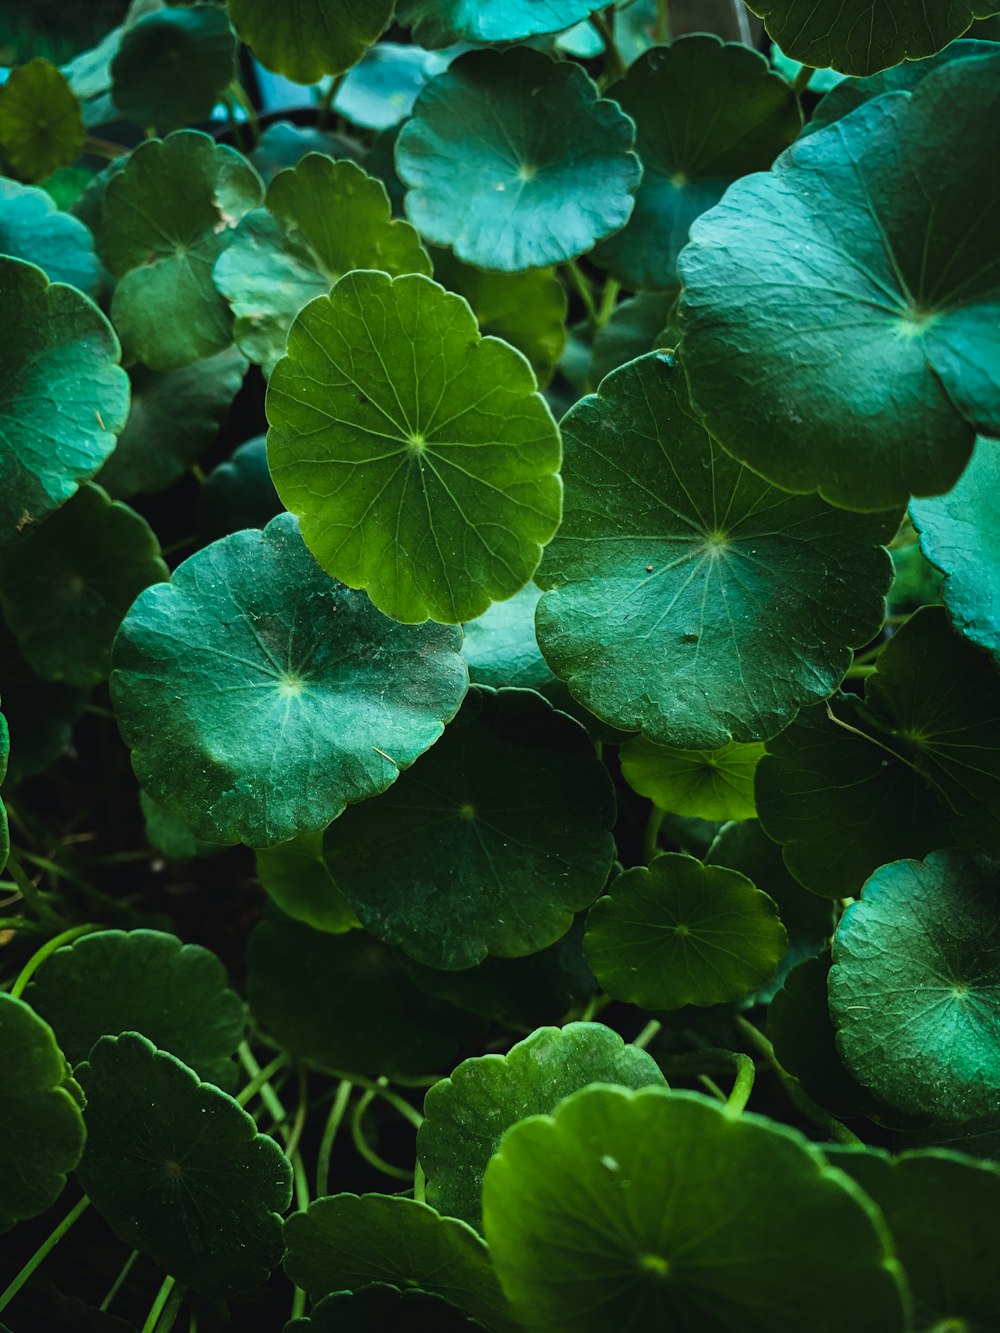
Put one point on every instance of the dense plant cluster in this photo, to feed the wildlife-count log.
(499, 648)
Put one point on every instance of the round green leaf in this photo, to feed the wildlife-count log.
(309, 38)
(438, 23)
(915, 985)
(466, 1115)
(33, 229)
(41, 127)
(380, 90)
(958, 533)
(864, 36)
(343, 1002)
(685, 596)
(294, 875)
(168, 214)
(702, 784)
(260, 697)
(40, 713)
(678, 932)
(40, 1118)
(238, 493)
(850, 786)
(285, 145)
(116, 981)
(63, 395)
(178, 1171)
(657, 1210)
(378, 1307)
(861, 360)
(949, 1267)
(528, 310)
(66, 588)
(706, 112)
(174, 418)
(490, 844)
(170, 835)
(514, 161)
(345, 1241)
(323, 219)
(172, 66)
(417, 454)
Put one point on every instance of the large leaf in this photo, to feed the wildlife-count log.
(915, 986)
(40, 1118)
(418, 455)
(687, 597)
(440, 22)
(178, 1171)
(916, 766)
(41, 126)
(63, 395)
(260, 697)
(514, 161)
(116, 981)
(842, 312)
(344, 1002)
(345, 1241)
(660, 1210)
(706, 112)
(466, 1115)
(168, 214)
(305, 39)
(489, 844)
(863, 36)
(33, 229)
(679, 932)
(66, 588)
(322, 219)
(958, 532)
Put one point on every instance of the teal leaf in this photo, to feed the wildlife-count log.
(309, 38)
(841, 312)
(637, 326)
(115, 981)
(178, 1170)
(239, 493)
(678, 932)
(466, 1115)
(685, 597)
(419, 457)
(548, 170)
(915, 986)
(63, 395)
(260, 697)
(437, 23)
(168, 214)
(4, 756)
(619, 1211)
(706, 112)
(67, 587)
(380, 90)
(40, 1117)
(33, 229)
(284, 144)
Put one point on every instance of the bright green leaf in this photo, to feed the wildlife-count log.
(260, 697)
(116, 981)
(489, 844)
(168, 214)
(63, 395)
(294, 875)
(178, 1171)
(41, 127)
(685, 596)
(660, 1210)
(322, 219)
(33, 229)
(842, 312)
(703, 784)
(466, 1115)
(679, 932)
(417, 454)
(305, 39)
(915, 985)
(514, 161)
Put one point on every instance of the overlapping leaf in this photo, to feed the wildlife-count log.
(305, 39)
(33, 229)
(41, 126)
(295, 877)
(701, 784)
(438, 23)
(239, 493)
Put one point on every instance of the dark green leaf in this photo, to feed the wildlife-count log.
(41, 127)
(378, 1307)
(238, 493)
(170, 835)
(309, 38)
(40, 713)
(637, 326)
(285, 145)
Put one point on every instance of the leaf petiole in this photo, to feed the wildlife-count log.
(46, 1248)
(46, 951)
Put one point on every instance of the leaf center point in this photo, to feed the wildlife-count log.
(655, 1264)
(467, 812)
(290, 687)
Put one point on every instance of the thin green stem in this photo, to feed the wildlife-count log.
(663, 32)
(746, 1072)
(419, 1183)
(235, 124)
(247, 1093)
(22, 923)
(712, 1087)
(614, 63)
(333, 1122)
(609, 296)
(650, 837)
(46, 951)
(417, 1080)
(301, 1185)
(60, 872)
(742, 23)
(326, 105)
(801, 81)
(858, 672)
(239, 94)
(648, 1033)
(267, 1094)
(33, 899)
(382, 1089)
(299, 1123)
(715, 1060)
(159, 1301)
(794, 1089)
(103, 148)
(362, 1145)
(45, 1249)
(172, 1309)
(582, 288)
(119, 1282)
